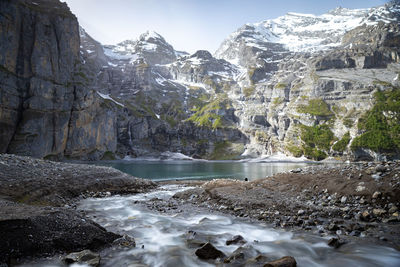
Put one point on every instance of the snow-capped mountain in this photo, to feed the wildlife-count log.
(150, 46)
(302, 32)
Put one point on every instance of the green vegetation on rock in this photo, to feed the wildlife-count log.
(315, 107)
(381, 124)
(248, 91)
(316, 139)
(108, 155)
(295, 150)
(225, 150)
(207, 115)
(341, 145)
(280, 86)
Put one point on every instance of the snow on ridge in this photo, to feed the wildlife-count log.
(104, 96)
(305, 32)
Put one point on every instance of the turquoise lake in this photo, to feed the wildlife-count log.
(200, 170)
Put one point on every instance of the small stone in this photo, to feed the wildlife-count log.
(378, 212)
(298, 170)
(362, 201)
(125, 241)
(333, 227)
(345, 209)
(86, 257)
(300, 212)
(365, 215)
(208, 251)
(282, 262)
(237, 239)
(343, 199)
(393, 209)
(380, 168)
(376, 176)
(377, 194)
(360, 188)
(335, 242)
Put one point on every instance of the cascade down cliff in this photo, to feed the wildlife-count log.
(300, 84)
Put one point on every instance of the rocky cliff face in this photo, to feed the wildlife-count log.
(300, 84)
(46, 110)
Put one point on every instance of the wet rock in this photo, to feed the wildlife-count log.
(286, 261)
(298, 170)
(335, 242)
(343, 199)
(208, 251)
(333, 227)
(256, 261)
(238, 257)
(125, 241)
(84, 257)
(300, 212)
(237, 239)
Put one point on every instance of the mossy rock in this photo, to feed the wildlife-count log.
(249, 91)
(295, 150)
(280, 85)
(341, 145)
(225, 150)
(381, 124)
(108, 155)
(315, 107)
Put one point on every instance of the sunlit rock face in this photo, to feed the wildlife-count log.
(298, 84)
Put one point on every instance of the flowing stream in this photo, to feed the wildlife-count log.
(164, 239)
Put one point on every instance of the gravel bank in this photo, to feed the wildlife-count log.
(37, 215)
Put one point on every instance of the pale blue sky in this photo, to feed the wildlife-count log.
(190, 25)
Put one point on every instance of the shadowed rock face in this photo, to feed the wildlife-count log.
(45, 108)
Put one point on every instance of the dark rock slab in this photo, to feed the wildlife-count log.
(40, 231)
(286, 261)
(209, 252)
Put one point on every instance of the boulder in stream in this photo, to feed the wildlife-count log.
(209, 252)
(286, 261)
(85, 257)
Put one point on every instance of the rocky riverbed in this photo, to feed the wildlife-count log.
(37, 214)
(351, 201)
(41, 212)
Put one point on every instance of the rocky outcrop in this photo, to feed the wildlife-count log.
(37, 197)
(46, 108)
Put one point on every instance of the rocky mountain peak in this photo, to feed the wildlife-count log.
(151, 37)
(202, 54)
(150, 46)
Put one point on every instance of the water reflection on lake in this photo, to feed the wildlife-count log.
(204, 170)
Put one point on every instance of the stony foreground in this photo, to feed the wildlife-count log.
(348, 200)
(36, 205)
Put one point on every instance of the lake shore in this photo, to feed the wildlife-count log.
(38, 215)
(37, 205)
(354, 201)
